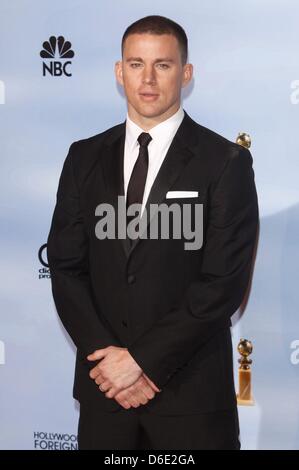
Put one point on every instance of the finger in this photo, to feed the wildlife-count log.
(97, 355)
(126, 395)
(142, 389)
(148, 392)
(132, 396)
(134, 402)
(141, 396)
(122, 395)
(104, 386)
(151, 383)
(137, 395)
(143, 386)
(94, 372)
(124, 403)
(112, 392)
(99, 379)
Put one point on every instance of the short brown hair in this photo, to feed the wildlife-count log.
(156, 24)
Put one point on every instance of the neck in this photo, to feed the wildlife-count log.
(147, 123)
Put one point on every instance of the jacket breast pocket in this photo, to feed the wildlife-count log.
(182, 218)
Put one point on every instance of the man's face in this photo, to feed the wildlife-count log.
(152, 75)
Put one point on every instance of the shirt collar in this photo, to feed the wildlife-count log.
(161, 133)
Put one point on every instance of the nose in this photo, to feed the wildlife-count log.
(149, 75)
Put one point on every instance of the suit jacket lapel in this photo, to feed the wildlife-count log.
(112, 163)
(112, 166)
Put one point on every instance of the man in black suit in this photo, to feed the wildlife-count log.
(150, 317)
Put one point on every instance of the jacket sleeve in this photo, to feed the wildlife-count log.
(219, 290)
(67, 248)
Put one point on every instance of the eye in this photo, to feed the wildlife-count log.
(135, 65)
(163, 66)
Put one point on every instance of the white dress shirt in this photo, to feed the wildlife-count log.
(162, 135)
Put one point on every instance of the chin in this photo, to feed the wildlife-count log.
(151, 112)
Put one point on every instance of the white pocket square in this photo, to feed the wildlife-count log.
(178, 194)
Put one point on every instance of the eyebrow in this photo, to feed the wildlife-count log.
(139, 59)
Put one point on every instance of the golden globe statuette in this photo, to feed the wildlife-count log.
(244, 140)
(244, 396)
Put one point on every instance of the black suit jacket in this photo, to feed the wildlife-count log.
(170, 307)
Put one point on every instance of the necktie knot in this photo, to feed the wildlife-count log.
(144, 139)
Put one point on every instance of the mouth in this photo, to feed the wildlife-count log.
(149, 96)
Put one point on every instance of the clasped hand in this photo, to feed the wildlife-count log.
(119, 376)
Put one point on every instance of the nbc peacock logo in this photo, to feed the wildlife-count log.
(53, 49)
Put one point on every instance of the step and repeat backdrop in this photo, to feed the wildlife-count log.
(57, 85)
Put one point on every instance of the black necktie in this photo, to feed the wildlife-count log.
(138, 177)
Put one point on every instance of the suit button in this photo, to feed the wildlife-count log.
(124, 323)
(131, 279)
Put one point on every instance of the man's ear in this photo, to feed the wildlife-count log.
(187, 74)
(118, 69)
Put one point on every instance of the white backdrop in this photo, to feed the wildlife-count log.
(246, 59)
